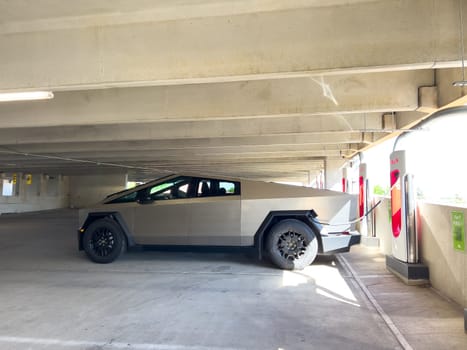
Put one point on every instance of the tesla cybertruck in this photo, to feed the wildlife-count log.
(278, 221)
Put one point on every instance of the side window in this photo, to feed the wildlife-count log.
(204, 188)
(172, 189)
(227, 188)
(217, 188)
(128, 198)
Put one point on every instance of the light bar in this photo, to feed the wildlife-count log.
(460, 83)
(26, 96)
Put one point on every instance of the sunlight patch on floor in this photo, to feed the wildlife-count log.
(328, 280)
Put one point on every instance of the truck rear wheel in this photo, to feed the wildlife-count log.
(291, 245)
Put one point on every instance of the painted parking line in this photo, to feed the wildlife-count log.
(101, 345)
(389, 322)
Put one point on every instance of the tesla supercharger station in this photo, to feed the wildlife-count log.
(362, 198)
(403, 210)
(364, 205)
(345, 180)
(362, 190)
(404, 221)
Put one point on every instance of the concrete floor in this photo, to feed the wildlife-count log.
(52, 297)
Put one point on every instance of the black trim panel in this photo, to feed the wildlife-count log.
(339, 243)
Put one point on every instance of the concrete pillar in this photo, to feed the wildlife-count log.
(43, 185)
(333, 173)
(18, 185)
(90, 189)
(21, 187)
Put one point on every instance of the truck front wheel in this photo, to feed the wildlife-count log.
(103, 241)
(291, 245)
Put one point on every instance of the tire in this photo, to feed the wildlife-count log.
(103, 241)
(291, 245)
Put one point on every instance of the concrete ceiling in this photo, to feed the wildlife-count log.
(262, 89)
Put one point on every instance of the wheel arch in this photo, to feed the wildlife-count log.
(308, 217)
(116, 217)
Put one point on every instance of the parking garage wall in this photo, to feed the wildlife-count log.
(88, 190)
(333, 173)
(33, 192)
(448, 266)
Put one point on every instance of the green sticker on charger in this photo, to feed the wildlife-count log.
(458, 230)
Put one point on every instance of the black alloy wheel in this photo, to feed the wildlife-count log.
(103, 241)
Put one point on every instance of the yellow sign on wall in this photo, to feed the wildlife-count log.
(29, 179)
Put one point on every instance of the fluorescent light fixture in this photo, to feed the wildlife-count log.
(26, 96)
(460, 83)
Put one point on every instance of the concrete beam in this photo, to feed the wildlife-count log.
(180, 157)
(202, 155)
(146, 160)
(334, 95)
(448, 93)
(241, 168)
(230, 47)
(119, 151)
(305, 141)
(315, 128)
(23, 16)
(406, 119)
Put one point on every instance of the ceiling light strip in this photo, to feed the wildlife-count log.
(26, 96)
